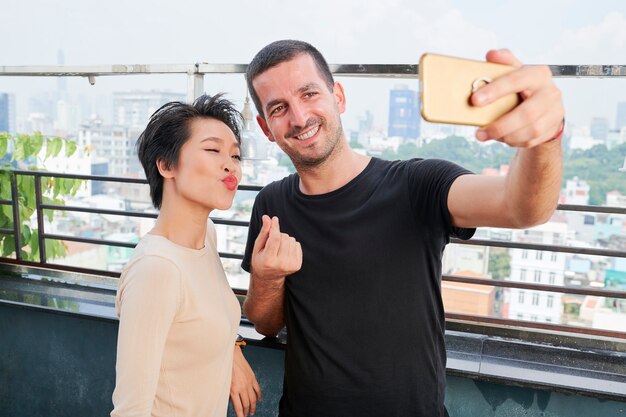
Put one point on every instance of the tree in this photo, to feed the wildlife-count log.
(24, 154)
(499, 264)
(408, 150)
(389, 154)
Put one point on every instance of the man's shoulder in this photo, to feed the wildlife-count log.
(427, 165)
(386, 167)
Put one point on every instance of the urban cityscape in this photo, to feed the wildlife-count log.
(105, 147)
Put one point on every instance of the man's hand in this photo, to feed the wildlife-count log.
(537, 119)
(275, 254)
(244, 388)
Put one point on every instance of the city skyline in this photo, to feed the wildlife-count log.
(348, 32)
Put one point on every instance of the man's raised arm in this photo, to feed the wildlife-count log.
(528, 194)
(274, 256)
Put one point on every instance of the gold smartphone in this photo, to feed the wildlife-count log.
(447, 84)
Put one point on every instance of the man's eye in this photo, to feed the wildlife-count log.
(277, 109)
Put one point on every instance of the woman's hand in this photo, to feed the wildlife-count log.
(244, 388)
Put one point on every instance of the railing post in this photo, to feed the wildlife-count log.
(17, 224)
(40, 226)
(195, 84)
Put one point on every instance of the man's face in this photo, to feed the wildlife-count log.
(302, 115)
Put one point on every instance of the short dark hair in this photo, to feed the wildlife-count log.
(169, 129)
(278, 52)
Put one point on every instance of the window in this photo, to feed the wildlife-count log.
(550, 302)
(535, 299)
(553, 257)
(590, 220)
(552, 278)
(534, 318)
(522, 274)
(524, 254)
(520, 316)
(520, 298)
(537, 276)
(539, 255)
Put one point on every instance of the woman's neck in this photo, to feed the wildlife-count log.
(186, 226)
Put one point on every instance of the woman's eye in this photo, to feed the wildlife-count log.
(237, 157)
(212, 150)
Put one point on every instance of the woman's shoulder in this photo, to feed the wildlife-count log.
(151, 258)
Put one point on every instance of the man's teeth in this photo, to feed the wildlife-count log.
(308, 134)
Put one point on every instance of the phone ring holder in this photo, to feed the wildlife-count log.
(480, 82)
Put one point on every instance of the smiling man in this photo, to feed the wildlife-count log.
(347, 252)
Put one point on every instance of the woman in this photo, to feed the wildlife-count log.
(176, 352)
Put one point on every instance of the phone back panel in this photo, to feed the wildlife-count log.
(447, 84)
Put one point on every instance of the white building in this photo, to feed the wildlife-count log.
(615, 199)
(459, 257)
(115, 144)
(538, 267)
(134, 108)
(36, 122)
(584, 142)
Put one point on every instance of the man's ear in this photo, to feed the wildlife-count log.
(164, 169)
(340, 97)
(266, 130)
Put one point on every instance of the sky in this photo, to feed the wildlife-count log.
(346, 32)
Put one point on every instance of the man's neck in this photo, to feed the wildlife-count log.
(333, 173)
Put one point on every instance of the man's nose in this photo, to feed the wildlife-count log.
(299, 115)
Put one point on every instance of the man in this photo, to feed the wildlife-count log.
(347, 252)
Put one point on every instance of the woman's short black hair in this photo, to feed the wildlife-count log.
(169, 129)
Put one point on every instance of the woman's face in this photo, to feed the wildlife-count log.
(208, 168)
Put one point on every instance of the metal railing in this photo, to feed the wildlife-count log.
(195, 86)
(40, 206)
(43, 260)
(195, 72)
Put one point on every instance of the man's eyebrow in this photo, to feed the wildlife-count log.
(309, 86)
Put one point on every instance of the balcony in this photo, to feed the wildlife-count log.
(59, 327)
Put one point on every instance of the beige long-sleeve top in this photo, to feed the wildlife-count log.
(178, 324)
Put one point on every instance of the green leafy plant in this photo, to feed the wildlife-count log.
(25, 153)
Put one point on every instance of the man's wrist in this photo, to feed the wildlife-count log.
(559, 134)
(269, 281)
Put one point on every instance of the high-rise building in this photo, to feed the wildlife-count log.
(61, 81)
(599, 128)
(404, 113)
(7, 113)
(620, 119)
(538, 267)
(115, 144)
(133, 109)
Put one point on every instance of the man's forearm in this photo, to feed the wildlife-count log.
(534, 183)
(264, 305)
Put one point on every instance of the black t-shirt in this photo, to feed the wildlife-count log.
(365, 320)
